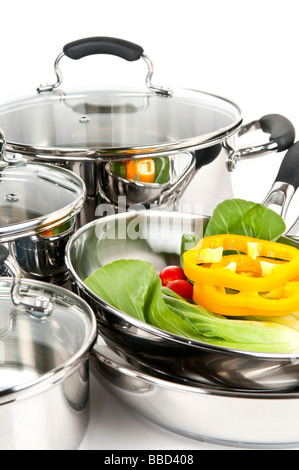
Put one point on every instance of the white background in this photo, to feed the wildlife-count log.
(244, 51)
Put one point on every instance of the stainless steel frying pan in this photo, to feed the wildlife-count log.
(157, 350)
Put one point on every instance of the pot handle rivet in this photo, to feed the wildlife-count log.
(12, 197)
(84, 119)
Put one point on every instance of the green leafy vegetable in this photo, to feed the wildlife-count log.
(243, 217)
(134, 287)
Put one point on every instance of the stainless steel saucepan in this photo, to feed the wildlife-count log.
(39, 208)
(158, 240)
(84, 129)
(46, 335)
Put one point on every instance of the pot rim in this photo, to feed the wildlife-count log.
(120, 365)
(46, 222)
(109, 153)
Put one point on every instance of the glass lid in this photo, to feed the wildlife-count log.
(107, 122)
(36, 197)
(39, 348)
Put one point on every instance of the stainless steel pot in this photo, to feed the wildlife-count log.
(46, 334)
(242, 419)
(155, 236)
(82, 130)
(39, 208)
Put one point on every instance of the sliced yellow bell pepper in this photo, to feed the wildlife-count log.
(282, 301)
(198, 270)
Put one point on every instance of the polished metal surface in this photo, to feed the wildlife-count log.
(44, 196)
(38, 305)
(280, 195)
(43, 257)
(253, 151)
(39, 209)
(44, 369)
(155, 236)
(182, 170)
(217, 415)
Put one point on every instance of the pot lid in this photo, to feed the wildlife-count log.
(36, 197)
(37, 350)
(107, 122)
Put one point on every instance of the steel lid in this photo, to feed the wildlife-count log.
(105, 122)
(36, 197)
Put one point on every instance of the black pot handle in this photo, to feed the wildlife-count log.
(282, 136)
(103, 45)
(281, 130)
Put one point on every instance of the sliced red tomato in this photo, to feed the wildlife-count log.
(171, 273)
(182, 288)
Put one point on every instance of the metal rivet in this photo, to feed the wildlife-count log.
(12, 197)
(41, 301)
(84, 119)
(15, 158)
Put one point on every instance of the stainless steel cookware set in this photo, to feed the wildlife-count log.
(58, 193)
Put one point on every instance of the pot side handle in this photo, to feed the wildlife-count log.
(282, 136)
(281, 130)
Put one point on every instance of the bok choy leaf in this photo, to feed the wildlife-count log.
(242, 217)
(134, 287)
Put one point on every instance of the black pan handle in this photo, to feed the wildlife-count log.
(286, 181)
(281, 130)
(103, 45)
(289, 168)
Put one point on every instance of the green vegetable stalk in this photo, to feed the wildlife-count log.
(133, 287)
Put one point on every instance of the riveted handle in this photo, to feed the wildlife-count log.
(103, 45)
(282, 136)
